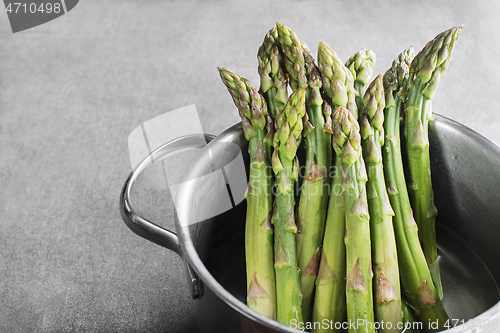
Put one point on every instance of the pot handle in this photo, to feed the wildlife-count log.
(147, 229)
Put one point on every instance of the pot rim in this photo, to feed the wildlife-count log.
(194, 260)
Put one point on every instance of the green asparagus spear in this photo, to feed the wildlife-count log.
(409, 320)
(416, 281)
(289, 125)
(329, 300)
(425, 72)
(361, 66)
(273, 84)
(387, 291)
(314, 190)
(261, 289)
(359, 297)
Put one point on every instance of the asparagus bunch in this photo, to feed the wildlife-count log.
(286, 167)
(359, 297)
(361, 66)
(329, 301)
(369, 216)
(314, 194)
(416, 281)
(261, 289)
(273, 83)
(425, 72)
(387, 291)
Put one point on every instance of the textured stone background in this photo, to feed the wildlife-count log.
(72, 90)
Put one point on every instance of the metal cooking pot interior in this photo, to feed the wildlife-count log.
(211, 214)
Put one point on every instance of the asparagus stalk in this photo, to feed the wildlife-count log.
(387, 291)
(425, 72)
(359, 297)
(261, 289)
(313, 197)
(329, 300)
(285, 164)
(361, 66)
(416, 281)
(273, 83)
(408, 320)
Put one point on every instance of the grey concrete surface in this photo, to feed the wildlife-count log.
(72, 90)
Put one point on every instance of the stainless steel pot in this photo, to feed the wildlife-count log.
(210, 218)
